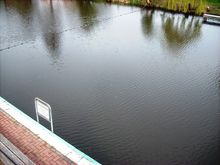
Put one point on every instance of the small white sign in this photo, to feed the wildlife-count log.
(43, 110)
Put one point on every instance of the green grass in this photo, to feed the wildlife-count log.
(214, 1)
(214, 6)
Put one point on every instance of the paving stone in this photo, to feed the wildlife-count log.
(33, 147)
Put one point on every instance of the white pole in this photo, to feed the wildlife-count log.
(51, 120)
(36, 110)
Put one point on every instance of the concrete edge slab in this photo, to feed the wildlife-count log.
(52, 139)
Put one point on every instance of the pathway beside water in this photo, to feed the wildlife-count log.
(31, 144)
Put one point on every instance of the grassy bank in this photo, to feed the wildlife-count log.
(197, 7)
(214, 6)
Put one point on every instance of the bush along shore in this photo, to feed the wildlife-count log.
(195, 7)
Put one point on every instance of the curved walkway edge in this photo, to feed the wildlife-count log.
(35, 141)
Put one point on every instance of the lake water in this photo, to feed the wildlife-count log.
(126, 85)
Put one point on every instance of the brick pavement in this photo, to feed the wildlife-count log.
(32, 146)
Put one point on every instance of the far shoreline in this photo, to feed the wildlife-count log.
(213, 9)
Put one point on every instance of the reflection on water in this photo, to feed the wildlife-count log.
(147, 23)
(23, 7)
(37, 20)
(180, 31)
(21, 12)
(88, 14)
(50, 32)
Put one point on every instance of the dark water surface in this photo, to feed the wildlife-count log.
(127, 86)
